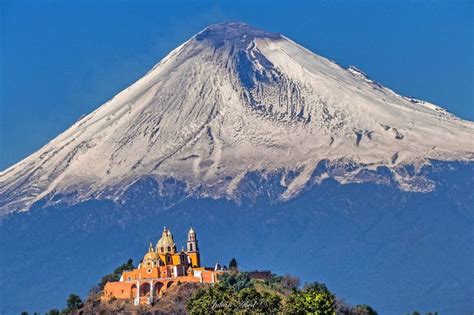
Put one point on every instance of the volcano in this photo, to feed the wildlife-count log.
(233, 100)
(277, 155)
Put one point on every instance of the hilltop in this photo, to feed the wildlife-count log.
(235, 292)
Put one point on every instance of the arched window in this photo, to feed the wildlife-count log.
(168, 258)
(169, 249)
(191, 247)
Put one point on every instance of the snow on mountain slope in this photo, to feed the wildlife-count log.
(230, 100)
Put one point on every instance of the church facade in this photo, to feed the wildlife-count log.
(162, 267)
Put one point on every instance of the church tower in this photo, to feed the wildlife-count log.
(193, 249)
(192, 241)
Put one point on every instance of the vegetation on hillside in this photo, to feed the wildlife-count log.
(233, 293)
(236, 292)
(73, 305)
(115, 276)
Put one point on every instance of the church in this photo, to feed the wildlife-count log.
(162, 267)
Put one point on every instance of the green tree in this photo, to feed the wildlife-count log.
(237, 280)
(314, 299)
(24, 313)
(251, 301)
(115, 276)
(224, 299)
(54, 311)
(213, 300)
(282, 284)
(74, 302)
(233, 264)
(234, 293)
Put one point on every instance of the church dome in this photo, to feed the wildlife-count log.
(166, 242)
(151, 256)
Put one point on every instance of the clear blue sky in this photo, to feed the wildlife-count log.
(62, 59)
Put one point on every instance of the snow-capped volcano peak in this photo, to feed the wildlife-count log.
(231, 100)
(237, 33)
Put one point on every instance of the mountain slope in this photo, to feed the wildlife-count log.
(229, 101)
(277, 156)
(395, 250)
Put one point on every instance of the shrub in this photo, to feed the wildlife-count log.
(115, 276)
(234, 293)
(315, 298)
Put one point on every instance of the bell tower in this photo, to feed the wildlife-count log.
(192, 241)
(193, 249)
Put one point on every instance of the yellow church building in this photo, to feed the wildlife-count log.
(162, 267)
